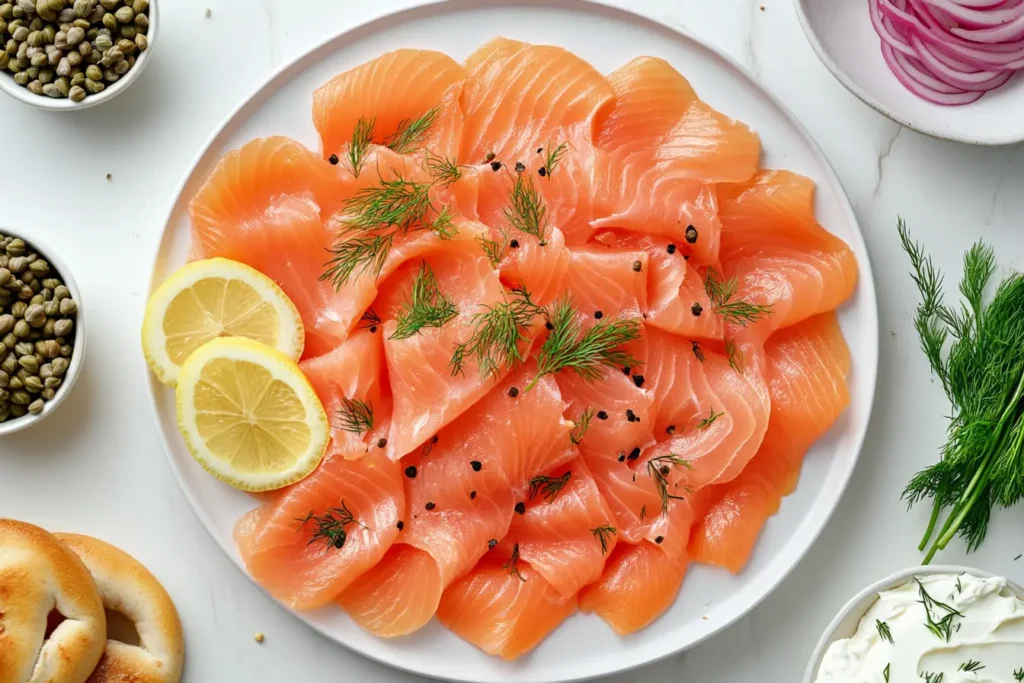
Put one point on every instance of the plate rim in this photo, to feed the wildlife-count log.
(811, 527)
(826, 58)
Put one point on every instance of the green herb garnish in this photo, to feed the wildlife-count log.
(603, 534)
(883, 631)
(359, 147)
(721, 294)
(513, 564)
(971, 666)
(369, 319)
(698, 353)
(706, 422)
(526, 211)
(588, 353)
(658, 469)
(443, 170)
(355, 416)
(933, 678)
(497, 335)
(581, 427)
(408, 137)
(549, 487)
(493, 249)
(1018, 674)
(941, 626)
(426, 306)
(732, 351)
(330, 526)
(554, 155)
(982, 372)
(885, 672)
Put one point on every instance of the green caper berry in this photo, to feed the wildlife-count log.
(111, 76)
(62, 328)
(18, 309)
(61, 292)
(93, 87)
(20, 398)
(30, 364)
(82, 8)
(140, 6)
(21, 78)
(45, 371)
(20, 34)
(32, 72)
(24, 348)
(47, 394)
(94, 73)
(46, 75)
(68, 307)
(6, 325)
(77, 92)
(52, 382)
(110, 21)
(81, 23)
(21, 329)
(110, 5)
(48, 328)
(7, 11)
(125, 15)
(60, 366)
(76, 82)
(85, 48)
(62, 86)
(39, 267)
(129, 31)
(75, 36)
(36, 406)
(39, 60)
(66, 350)
(33, 384)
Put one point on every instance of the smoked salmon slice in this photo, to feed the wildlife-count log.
(398, 89)
(779, 254)
(604, 282)
(504, 614)
(810, 359)
(520, 97)
(462, 491)
(284, 544)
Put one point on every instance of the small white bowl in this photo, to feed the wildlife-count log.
(846, 622)
(77, 355)
(22, 93)
(841, 33)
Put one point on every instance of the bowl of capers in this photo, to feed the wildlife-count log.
(68, 55)
(42, 332)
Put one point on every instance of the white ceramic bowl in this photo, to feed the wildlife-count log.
(77, 356)
(845, 623)
(841, 33)
(18, 92)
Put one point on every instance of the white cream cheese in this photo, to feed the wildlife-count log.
(894, 643)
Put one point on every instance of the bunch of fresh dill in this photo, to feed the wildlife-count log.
(976, 350)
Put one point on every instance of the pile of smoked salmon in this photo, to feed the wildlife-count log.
(570, 336)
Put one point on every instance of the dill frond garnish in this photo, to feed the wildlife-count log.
(588, 353)
(493, 249)
(398, 203)
(982, 373)
(330, 526)
(658, 469)
(355, 416)
(497, 335)
(513, 564)
(885, 672)
(643, 512)
(732, 351)
(442, 225)
(369, 319)
(426, 306)
(698, 353)
(526, 211)
(444, 171)
(932, 678)
(971, 666)
(549, 487)
(706, 422)
(602, 534)
(408, 137)
(942, 626)
(721, 294)
(581, 427)
(554, 155)
(363, 254)
(1018, 674)
(359, 147)
(883, 631)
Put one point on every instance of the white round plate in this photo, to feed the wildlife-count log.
(711, 599)
(842, 35)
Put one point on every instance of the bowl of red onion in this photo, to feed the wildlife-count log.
(953, 69)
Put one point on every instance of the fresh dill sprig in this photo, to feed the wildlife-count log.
(513, 564)
(498, 332)
(369, 319)
(408, 137)
(706, 422)
(526, 211)
(971, 666)
(698, 353)
(885, 672)
(959, 586)
(732, 351)
(443, 170)
(361, 254)
(1018, 674)
(493, 249)
(587, 353)
(603, 534)
(549, 487)
(982, 372)
(736, 312)
(553, 156)
(359, 147)
(933, 678)
(581, 427)
(426, 306)
(942, 626)
(442, 225)
(330, 526)
(355, 416)
(658, 469)
(883, 631)
(395, 202)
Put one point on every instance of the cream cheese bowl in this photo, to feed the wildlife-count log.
(845, 623)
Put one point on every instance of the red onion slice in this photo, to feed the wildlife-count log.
(925, 93)
(1004, 33)
(977, 18)
(885, 30)
(982, 81)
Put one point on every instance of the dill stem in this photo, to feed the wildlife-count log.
(980, 479)
(936, 509)
(533, 383)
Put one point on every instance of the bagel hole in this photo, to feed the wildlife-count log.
(121, 628)
(53, 620)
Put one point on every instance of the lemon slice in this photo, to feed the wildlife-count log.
(216, 298)
(249, 416)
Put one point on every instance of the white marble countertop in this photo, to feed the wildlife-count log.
(97, 467)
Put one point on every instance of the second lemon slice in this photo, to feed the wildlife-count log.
(249, 416)
(216, 298)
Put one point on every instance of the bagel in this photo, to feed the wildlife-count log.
(39, 574)
(127, 587)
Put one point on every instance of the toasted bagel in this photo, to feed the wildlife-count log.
(39, 575)
(127, 587)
